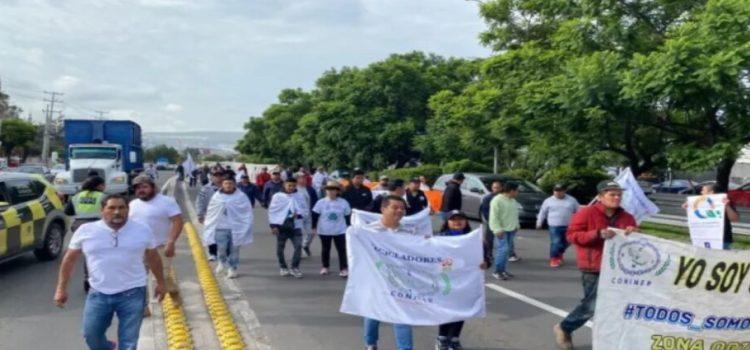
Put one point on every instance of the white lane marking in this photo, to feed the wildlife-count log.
(252, 332)
(531, 301)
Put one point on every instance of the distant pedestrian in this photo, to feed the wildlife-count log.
(393, 209)
(201, 204)
(357, 194)
(557, 211)
(331, 217)
(395, 188)
(588, 230)
(452, 197)
(319, 180)
(307, 198)
(163, 216)
(272, 187)
(194, 177)
(114, 249)
(383, 184)
(152, 172)
(248, 189)
(205, 175)
(484, 212)
(504, 225)
(285, 214)
(416, 200)
(229, 223)
(180, 171)
(457, 224)
(262, 177)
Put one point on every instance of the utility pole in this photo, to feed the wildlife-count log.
(101, 114)
(47, 123)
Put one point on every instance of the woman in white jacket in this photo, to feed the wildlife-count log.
(228, 224)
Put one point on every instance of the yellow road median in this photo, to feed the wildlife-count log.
(226, 330)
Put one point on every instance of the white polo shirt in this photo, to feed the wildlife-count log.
(114, 269)
(156, 214)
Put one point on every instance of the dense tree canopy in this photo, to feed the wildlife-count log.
(16, 133)
(585, 83)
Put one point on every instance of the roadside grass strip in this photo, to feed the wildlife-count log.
(178, 332)
(226, 330)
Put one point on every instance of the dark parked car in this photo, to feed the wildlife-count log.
(477, 185)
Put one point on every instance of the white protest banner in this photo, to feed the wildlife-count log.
(410, 279)
(706, 220)
(659, 294)
(420, 222)
(634, 201)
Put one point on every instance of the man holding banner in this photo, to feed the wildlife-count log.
(588, 230)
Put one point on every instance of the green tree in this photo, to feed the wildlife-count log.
(16, 133)
(161, 151)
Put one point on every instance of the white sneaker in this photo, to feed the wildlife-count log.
(232, 273)
(212, 257)
(296, 273)
(284, 272)
(344, 273)
(219, 267)
(323, 271)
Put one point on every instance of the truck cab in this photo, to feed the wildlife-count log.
(111, 149)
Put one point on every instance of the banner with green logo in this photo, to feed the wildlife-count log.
(659, 294)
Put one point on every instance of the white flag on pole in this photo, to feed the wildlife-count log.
(634, 201)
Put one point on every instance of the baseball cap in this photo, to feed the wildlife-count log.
(143, 179)
(458, 176)
(608, 185)
(456, 212)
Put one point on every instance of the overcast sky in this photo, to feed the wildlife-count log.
(175, 65)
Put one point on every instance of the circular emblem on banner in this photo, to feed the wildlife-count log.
(638, 257)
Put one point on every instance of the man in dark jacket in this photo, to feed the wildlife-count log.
(248, 188)
(357, 194)
(416, 200)
(271, 188)
(395, 188)
(452, 195)
(588, 230)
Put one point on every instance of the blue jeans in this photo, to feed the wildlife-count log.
(225, 244)
(585, 310)
(503, 248)
(402, 332)
(557, 241)
(99, 311)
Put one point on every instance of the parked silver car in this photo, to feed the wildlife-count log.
(477, 185)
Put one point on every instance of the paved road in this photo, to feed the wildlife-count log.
(303, 314)
(28, 317)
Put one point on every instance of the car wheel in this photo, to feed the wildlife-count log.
(53, 243)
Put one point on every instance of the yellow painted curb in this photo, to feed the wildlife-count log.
(226, 330)
(178, 332)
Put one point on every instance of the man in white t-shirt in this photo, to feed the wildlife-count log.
(163, 216)
(114, 248)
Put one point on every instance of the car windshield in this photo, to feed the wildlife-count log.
(523, 185)
(676, 183)
(93, 153)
